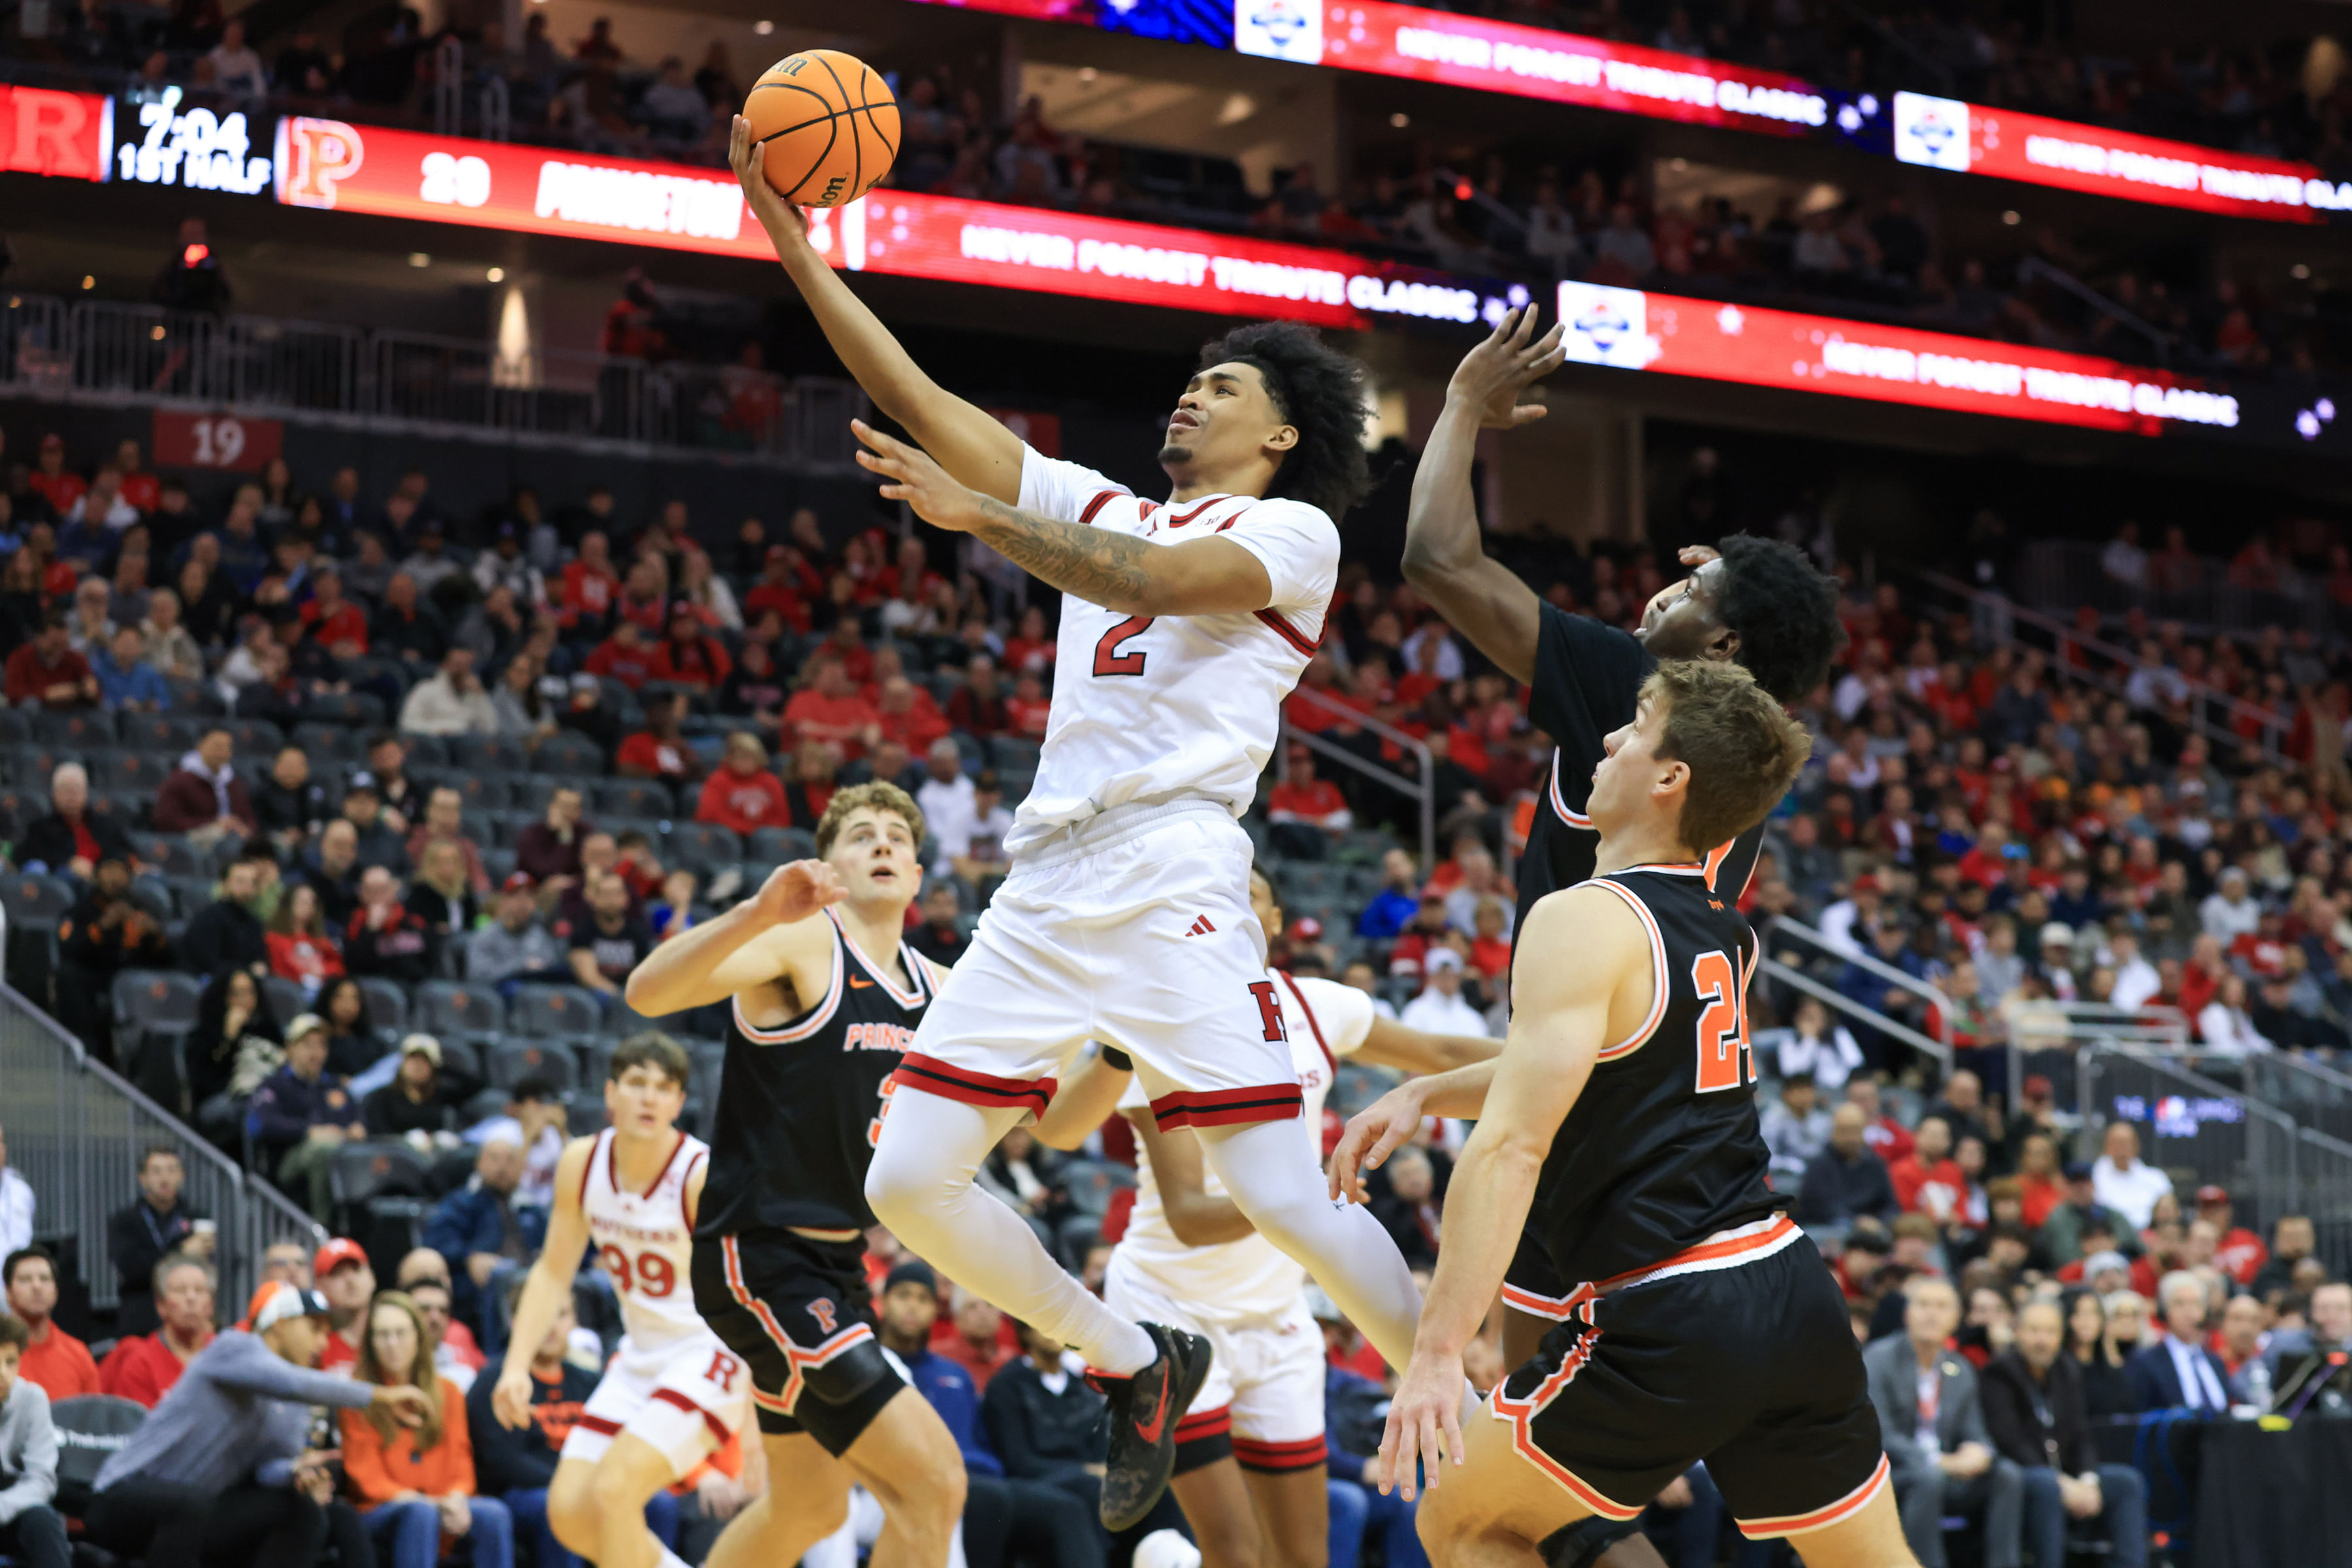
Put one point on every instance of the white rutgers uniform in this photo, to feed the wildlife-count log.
(674, 1385)
(1266, 1382)
(1127, 917)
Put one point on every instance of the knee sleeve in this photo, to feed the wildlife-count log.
(850, 1374)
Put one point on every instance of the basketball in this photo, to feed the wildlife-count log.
(827, 126)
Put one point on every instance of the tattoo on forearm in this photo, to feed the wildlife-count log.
(1105, 568)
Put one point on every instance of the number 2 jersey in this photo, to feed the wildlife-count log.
(1588, 682)
(1662, 1149)
(644, 1240)
(1148, 708)
(800, 1105)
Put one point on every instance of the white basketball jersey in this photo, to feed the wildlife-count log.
(646, 1241)
(1234, 1282)
(1146, 707)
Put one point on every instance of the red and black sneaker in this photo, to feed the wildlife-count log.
(1142, 1413)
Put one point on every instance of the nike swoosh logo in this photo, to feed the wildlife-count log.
(857, 984)
(1149, 1431)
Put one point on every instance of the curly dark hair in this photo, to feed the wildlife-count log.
(1321, 391)
(1784, 610)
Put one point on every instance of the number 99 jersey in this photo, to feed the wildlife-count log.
(646, 1243)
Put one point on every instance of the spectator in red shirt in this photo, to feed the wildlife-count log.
(977, 706)
(1030, 650)
(140, 487)
(2240, 1252)
(659, 751)
(1029, 707)
(145, 1367)
(829, 709)
(974, 1337)
(1928, 1181)
(53, 1358)
(815, 762)
(623, 657)
(1888, 1139)
(743, 793)
(47, 670)
(2039, 1181)
(689, 656)
(908, 716)
(1490, 950)
(845, 643)
(589, 584)
(645, 595)
(52, 480)
(1307, 812)
(336, 623)
(779, 589)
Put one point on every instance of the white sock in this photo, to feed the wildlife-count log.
(920, 1186)
(670, 1559)
(1270, 1171)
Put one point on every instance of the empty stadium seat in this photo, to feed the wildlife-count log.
(489, 754)
(704, 845)
(36, 902)
(91, 1427)
(449, 1007)
(329, 743)
(643, 798)
(546, 1012)
(512, 1061)
(82, 729)
(568, 755)
(387, 1005)
(1012, 753)
(286, 998)
(168, 853)
(255, 737)
(778, 845)
(161, 999)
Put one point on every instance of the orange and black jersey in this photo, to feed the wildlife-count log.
(1662, 1149)
(800, 1104)
(1588, 682)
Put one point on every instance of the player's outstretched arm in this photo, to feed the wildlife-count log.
(1086, 1098)
(1561, 1021)
(1117, 570)
(545, 1289)
(1393, 1045)
(748, 945)
(1443, 556)
(1373, 1133)
(1198, 1218)
(973, 445)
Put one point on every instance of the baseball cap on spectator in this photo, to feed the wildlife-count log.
(304, 1023)
(914, 1271)
(2078, 1170)
(1307, 927)
(2209, 1195)
(362, 780)
(1865, 883)
(278, 1300)
(2037, 1087)
(2099, 1262)
(518, 883)
(2057, 933)
(335, 1255)
(583, 681)
(1443, 958)
(423, 1046)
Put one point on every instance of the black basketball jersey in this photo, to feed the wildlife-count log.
(1664, 1149)
(1588, 682)
(800, 1105)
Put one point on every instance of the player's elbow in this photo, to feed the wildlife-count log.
(1427, 565)
(643, 995)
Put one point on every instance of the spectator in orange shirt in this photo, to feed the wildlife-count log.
(589, 584)
(1307, 812)
(659, 749)
(829, 709)
(53, 1358)
(742, 795)
(414, 1486)
(1029, 707)
(908, 716)
(689, 655)
(143, 1368)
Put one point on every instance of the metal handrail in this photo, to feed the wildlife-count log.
(1924, 990)
(2203, 692)
(1423, 789)
(1830, 996)
(2161, 1025)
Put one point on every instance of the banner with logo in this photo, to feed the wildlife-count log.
(1629, 328)
(1969, 139)
(64, 135)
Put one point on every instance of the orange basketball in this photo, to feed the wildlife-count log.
(827, 126)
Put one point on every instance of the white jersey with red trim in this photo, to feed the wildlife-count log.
(1148, 708)
(645, 1240)
(1235, 1281)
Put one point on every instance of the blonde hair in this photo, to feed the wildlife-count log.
(420, 1373)
(877, 795)
(1742, 748)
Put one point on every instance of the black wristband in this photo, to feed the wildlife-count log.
(1113, 1056)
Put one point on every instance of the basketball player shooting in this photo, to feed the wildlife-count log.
(1622, 1119)
(1127, 914)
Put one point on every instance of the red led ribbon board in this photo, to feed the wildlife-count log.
(485, 185)
(66, 135)
(1968, 138)
(1631, 330)
(1386, 39)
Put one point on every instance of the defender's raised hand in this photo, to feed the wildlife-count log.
(795, 892)
(1492, 376)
